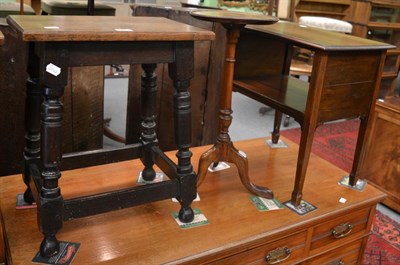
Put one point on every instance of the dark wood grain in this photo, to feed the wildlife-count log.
(13, 58)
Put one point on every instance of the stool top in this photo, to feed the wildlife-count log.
(232, 17)
(1, 38)
(104, 28)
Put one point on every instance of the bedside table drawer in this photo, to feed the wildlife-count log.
(338, 229)
(282, 251)
(345, 255)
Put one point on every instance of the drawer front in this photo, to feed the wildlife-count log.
(345, 255)
(282, 251)
(340, 229)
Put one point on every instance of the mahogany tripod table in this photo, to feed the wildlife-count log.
(58, 42)
(224, 150)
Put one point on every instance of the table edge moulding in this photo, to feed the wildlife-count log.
(58, 42)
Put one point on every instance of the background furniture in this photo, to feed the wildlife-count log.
(2, 251)
(381, 162)
(15, 9)
(237, 232)
(83, 104)
(322, 8)
(12, 99)
(74, 7)
(379, 20)
(78, 41)
(262, 73)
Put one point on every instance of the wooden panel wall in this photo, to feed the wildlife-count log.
(204, 87)
(83, 104)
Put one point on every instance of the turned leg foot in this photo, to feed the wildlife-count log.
(211, 156)
(186, 214)
(240, 160)
(148, 174)
(28, 196)
(49, 246)
(277, 126)
(352, 179)
(296, 198)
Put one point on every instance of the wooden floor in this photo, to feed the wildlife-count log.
(148, 234)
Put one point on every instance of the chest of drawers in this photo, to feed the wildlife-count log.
(237, 232)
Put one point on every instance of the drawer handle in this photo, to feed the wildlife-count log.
(339, 262)
(342, 230)
(278, 255)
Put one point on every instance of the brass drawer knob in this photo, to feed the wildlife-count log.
(342, 230)
(278, 255)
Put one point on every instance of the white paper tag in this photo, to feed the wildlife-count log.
(124, 30)
(52, 27)
(199, 220)
(220, 166)
(53, 69)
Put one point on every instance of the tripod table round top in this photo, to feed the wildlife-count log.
(234, 17)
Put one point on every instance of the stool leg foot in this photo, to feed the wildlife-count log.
(28, 196)
(186, 214)
(148, 174)
(49, 246)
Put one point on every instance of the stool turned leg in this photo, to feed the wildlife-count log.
(181, 72)
(31, 153)
(187, 177)
(32, 135)
(148, 110)
(223, 150)
(50, 205)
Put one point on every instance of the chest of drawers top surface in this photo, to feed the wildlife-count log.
(148, 234)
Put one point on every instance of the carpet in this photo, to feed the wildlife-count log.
(335, 142)
(383, 247)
